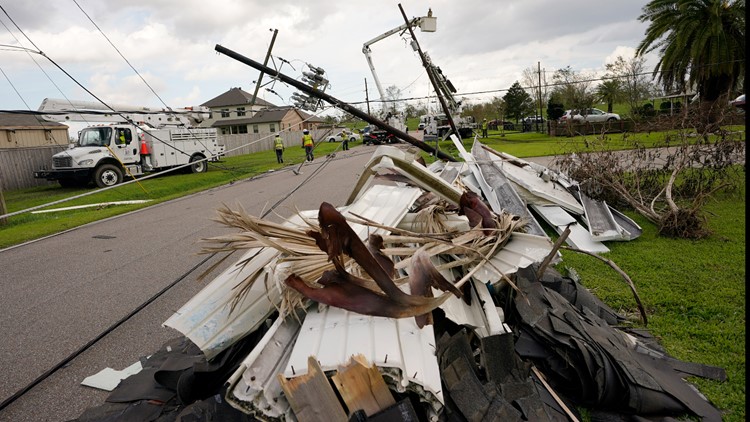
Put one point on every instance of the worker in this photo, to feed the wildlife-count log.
(308, 144)
(344, 140)
(278, 145)
(484, 128)
(145, 154)
(121, 138)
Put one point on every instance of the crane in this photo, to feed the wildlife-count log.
(425, 23)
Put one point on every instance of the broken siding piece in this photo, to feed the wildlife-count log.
(496, 188)
(579, 237)
(362, 387)
(601, 222)
(311, 396)
(529, 179)
(254, 387)
(403, 352)
(390, 158)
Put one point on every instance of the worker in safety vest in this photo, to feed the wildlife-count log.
(484, 128)
(278, 145)
(344, 140)
(308, 144)
(145, 154)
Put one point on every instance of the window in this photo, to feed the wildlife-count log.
(240, 111)
(255, 128)
(272, 126)
(224, 112)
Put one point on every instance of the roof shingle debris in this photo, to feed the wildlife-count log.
(416, 300)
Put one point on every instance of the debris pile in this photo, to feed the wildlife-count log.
(429, 295)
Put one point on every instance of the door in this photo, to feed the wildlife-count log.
(125, 145)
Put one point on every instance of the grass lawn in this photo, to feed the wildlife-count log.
(693, 290)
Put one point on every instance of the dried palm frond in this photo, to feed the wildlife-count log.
(324, 254)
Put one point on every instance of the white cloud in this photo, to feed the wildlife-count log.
(480, 45)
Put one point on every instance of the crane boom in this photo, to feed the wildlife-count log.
(425, 23)
(58, 110)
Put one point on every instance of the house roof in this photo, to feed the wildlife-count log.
(30, 121)
(233, 97)
(268, 115)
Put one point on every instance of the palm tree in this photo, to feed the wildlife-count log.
(609, 92)
(703, 40)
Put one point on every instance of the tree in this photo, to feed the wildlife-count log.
(518, 102)
(635, 84)
(609, 92)
(574, 89)
(392, 98)
(701, 44)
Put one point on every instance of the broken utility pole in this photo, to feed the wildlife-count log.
(335, 102)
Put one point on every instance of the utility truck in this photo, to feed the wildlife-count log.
(128, 142)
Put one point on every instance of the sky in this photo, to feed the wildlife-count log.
(482, 46)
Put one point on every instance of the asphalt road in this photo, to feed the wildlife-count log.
(61, 292)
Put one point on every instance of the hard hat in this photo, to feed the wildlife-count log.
(305, 131)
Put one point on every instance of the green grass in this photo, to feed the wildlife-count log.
(693, 291)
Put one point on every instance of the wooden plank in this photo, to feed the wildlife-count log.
(362, 387)
(311, 396)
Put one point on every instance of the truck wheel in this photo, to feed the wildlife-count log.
(198, 166)
(107, 175)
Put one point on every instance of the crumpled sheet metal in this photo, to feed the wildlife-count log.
(404, 353)
(579, 236)
(392, 159)
(596, 365)
(531, 180)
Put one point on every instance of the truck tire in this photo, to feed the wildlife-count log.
(107, 175)
(198, 166)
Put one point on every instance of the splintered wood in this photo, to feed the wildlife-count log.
(359, 384)
(362, 387)
(311, 396)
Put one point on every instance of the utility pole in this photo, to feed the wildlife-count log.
(260, 78)
(367, 97)
(539, 92)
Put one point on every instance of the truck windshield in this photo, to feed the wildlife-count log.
(95, 137)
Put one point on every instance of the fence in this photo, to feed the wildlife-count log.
(17, 166)
(247, 143)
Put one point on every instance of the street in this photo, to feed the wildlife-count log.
(61, 292)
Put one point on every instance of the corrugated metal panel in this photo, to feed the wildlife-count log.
(499, 192)
(530, 180)
(206, 319)
(402, 351)
(390, 158)
(579, 237)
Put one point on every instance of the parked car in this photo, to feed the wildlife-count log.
(739, 102)
(588, 115)
(351, 135)
(534, 119)
(495, 123)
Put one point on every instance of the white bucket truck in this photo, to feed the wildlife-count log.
(130, 141)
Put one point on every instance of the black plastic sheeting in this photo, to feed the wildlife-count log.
(594, 365)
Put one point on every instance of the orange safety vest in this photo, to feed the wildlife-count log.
(307, 140)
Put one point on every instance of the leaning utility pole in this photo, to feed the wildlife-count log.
(307, 89)
(430, 74)
(367, 97)
(260, 78)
